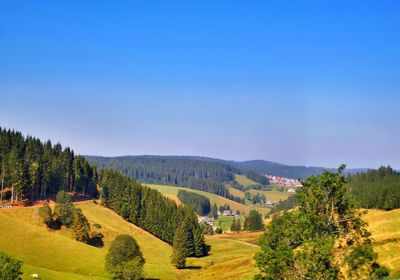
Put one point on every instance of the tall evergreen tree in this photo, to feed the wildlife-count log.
(63, 211)
(179, 249)
(81, 226)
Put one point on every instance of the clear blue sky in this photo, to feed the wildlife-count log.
(297, 82)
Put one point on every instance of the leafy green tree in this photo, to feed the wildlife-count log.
(63, 211)
(130, 270)
(10, 269)
(81, 226)
(45, 214)
(253, 221)
(325, 238)
(124, 258)
(236, 226)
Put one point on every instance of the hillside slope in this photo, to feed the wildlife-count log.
(385, 229)
(55, 255)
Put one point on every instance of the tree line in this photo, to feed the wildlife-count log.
(31, 169)
(257, 177)
(187, 172)
(376, 188)
(199, 203)
(150, 210)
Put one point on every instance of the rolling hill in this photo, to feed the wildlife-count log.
(55, 255)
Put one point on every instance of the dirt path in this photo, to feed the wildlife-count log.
(238, 241)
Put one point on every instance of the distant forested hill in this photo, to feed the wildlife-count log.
(288, 171)
(189, 172)
(376, 188)
(169, 170)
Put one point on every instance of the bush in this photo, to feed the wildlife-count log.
(97, 226)
(81, 226)
(124, 259)
(218, 230)
(10, 269)
(45, 214)
(63, 211)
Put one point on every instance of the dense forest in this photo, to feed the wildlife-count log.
(188, 172)
(31, 169)
(199, 203)
(376, 188)
(149, 209)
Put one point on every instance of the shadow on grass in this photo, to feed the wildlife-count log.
(192, 267)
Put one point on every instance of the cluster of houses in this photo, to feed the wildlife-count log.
(206, 220)
(290, 184)
(229, 213)
(210, 220)
(269, 203)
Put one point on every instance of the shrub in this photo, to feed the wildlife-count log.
(10, 269)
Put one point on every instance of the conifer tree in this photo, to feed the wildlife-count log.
(45, 214)
(81, 226)
(63, 211)
(179, 249)
(214, 211)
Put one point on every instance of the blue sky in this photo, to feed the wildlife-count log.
(297, 82)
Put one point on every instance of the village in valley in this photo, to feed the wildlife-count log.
(285, 185)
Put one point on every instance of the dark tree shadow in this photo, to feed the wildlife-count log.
(192, 267)
(96, 242)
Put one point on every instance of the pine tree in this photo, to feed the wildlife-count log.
(179, 249)
(81, 226)
(46, 215)
(63, 211)
(214, 211)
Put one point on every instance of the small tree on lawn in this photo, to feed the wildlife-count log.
(124, 259)
(63, 211)
(81, 226)
(45, 214)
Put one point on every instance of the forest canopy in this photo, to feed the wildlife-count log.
(31, 169)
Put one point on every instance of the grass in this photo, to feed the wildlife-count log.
(49, 253)
(385, 229)
(172, 192)
(235, 192)
(224, 222)
(228, 259)
(244, 181)
(247, 237)
(55, 255)
(272, 195)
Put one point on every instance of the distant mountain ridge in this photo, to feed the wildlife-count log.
(259, 166)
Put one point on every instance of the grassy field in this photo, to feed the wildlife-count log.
(235, 192)
(171, 192)
(247, 237)
(228, 259)
(272, 195)
(55, 255)
(385, 229)
(51, 253)
(244, 181)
